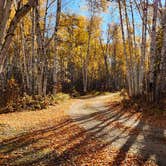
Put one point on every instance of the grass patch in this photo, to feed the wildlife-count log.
(60, 97)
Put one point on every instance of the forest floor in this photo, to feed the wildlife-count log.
(87, 131)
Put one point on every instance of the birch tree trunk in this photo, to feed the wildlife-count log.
(135, 63)
(124, 50)
(33, 55)
(24, 57)
(152, 77)
(7, 37)
(85, 66)
(58, 14)
(131, 73)
(5, 9)
(45, 74)
(40, 51)
(162, 67)
(86, 61)
(143, 47)
(105, 52)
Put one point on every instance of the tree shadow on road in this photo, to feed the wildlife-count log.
(67, 144)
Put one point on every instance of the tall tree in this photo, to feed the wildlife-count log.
(152, 76)
(6, 34)
(55, 68)
(143, 46)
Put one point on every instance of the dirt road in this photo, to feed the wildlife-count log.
(94, 131)
(127, 132)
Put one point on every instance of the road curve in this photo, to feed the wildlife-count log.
(125, 132)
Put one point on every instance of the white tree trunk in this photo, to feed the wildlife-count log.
(153, 52)
(10, 31)
(143, 47)
(128, 76)
(58, 14)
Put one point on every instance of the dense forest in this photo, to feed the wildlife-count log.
(83, 82)
(45, 49)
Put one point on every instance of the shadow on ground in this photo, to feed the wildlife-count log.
(67, 144)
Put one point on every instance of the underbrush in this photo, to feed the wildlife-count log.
(140, 105)
(35, 102)
(91, 94)
(99, 93)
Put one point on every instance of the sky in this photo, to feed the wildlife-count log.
(110, 16)
(80, 7)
